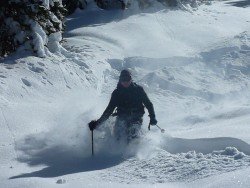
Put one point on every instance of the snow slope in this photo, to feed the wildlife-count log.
(195, 66)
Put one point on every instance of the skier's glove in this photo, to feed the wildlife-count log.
(93, 124)
(153, 121)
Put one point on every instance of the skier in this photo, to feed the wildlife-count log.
(129, 100)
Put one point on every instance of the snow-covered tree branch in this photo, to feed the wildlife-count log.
(30, 24)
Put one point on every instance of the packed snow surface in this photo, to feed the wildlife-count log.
(195, 67)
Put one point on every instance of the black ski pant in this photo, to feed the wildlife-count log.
(128, 127)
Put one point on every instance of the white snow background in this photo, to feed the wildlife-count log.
(194, 65)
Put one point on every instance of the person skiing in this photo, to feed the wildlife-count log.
(129, 100)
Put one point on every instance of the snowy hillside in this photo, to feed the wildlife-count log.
(193, 63)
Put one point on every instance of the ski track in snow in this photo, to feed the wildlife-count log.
(10, 132)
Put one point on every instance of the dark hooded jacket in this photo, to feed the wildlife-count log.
(128, 102)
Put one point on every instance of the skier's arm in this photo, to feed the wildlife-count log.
(148, 104)
(110, 108)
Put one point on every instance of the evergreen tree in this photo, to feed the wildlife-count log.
(29, 23)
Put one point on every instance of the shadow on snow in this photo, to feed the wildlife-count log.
(204, 145)
(61, 158)
(243, 4)
(62, 166)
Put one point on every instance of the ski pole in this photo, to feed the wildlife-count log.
(162, 130)
(92, 139)
(149, 126)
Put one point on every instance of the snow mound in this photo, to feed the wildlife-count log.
(164, 167)
(231, 151)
